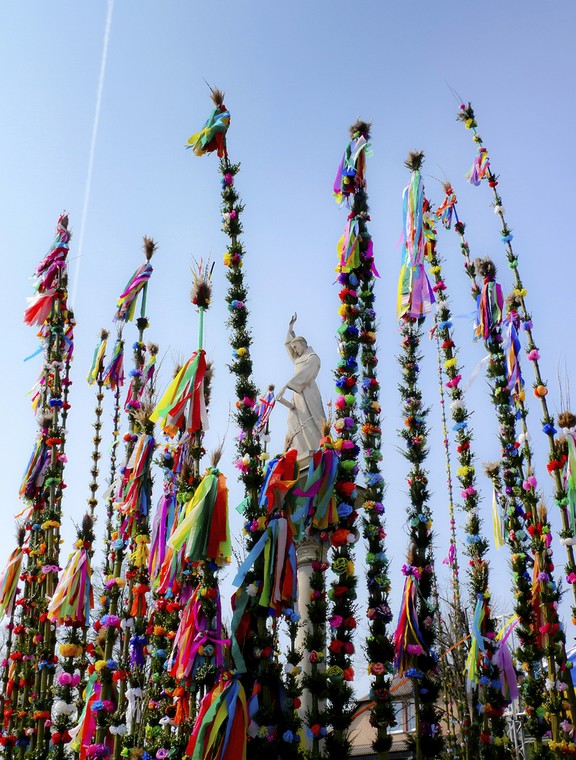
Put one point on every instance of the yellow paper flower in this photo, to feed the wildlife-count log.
(340, 565)
(70, 650)
(261, 523)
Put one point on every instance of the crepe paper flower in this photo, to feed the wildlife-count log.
(98, 751)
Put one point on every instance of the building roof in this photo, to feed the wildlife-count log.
(362, 734)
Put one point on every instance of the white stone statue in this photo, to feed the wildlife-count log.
(306, 415)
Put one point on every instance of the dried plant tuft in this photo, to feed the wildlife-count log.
(150, 247)
(567, 419)
(415, 160)
(492, 469)
(360, 128)
(485, 267)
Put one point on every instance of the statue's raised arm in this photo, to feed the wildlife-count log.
(291, 335)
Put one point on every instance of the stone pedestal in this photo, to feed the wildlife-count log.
(307, 551)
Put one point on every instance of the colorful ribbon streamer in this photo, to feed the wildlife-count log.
(490, 303)
(205, 530)
(351, 171)
(315, 507)
(183, 405)
(212, 136)
(73, 597)
(408, 641)
(9, 582)
(415, 295)
(113, 375)
(126, 306)
(220, 729)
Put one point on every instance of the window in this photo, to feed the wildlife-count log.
(405, 714)
(399, 715)
(410, 716)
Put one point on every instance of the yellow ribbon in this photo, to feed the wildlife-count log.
(140, 556)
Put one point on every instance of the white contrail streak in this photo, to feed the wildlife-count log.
(92, 147)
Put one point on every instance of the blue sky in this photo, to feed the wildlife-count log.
(295, 75)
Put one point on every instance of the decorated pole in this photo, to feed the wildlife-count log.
(482, 170)
(314, 520)
(49, 310)
(255, 620)
(73, 599)
(133, 506)
(520, 503)
(351, 185)
(96, 377)
(189, 546)
(415, 636)
(32, 659)
(113, 379)
(483, 671)
(252, 639)
(453, 622)
(103, 723)
(526, 525)
(69, 609)
(354, 246)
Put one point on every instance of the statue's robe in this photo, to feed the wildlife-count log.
(305, 419)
